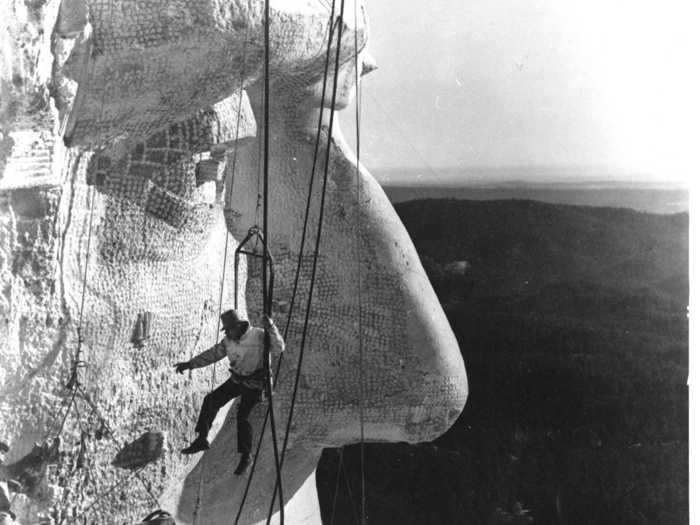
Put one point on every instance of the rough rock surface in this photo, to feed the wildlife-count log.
(112, 254)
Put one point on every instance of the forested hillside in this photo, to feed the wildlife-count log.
(572, 322)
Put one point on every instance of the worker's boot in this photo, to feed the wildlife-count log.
(243, 464)
(197, 445)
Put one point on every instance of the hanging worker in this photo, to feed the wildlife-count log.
(245, 347)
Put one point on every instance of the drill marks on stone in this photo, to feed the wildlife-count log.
(45, 364)
(393, 286)
(141, 94)
(138, 48)
(341, 421)
(176, 280)
(157, 179)
(331, 367)
(33, 321)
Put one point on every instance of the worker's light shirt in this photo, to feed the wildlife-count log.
(245, 355)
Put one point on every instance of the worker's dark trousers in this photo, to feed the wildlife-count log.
(216, 399)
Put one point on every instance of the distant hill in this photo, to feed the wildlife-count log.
(518, 245)
(572, 323)
(652, 198)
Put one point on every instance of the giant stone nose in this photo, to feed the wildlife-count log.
(378, 347)
(414, 359)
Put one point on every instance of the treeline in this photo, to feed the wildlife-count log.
(572, 323)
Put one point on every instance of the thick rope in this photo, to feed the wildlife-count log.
(77, 363)
(258, 201)
(299, 258)
(358, 237)
(233, 178)
(314, 162)
(73, 382)
(226, 243)
(319, 231)
(85, 273)
(267, 298)
(359, 295)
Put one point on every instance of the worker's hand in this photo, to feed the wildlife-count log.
(267, 321)
(181, 367)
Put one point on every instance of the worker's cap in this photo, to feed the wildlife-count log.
(231, 319)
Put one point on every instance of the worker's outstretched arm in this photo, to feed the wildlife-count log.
(209, 356)
(276, 340)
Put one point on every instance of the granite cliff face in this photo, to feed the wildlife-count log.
(112, 255)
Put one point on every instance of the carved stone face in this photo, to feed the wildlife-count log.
(155, 260)
(370, 289)
(130, 71)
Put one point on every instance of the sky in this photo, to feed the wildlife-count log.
(470, 84)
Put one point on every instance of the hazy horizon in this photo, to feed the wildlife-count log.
(529, 175)
(649, 196)
(496, 85)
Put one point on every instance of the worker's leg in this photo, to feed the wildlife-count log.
(212, 403)
(249, 399)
